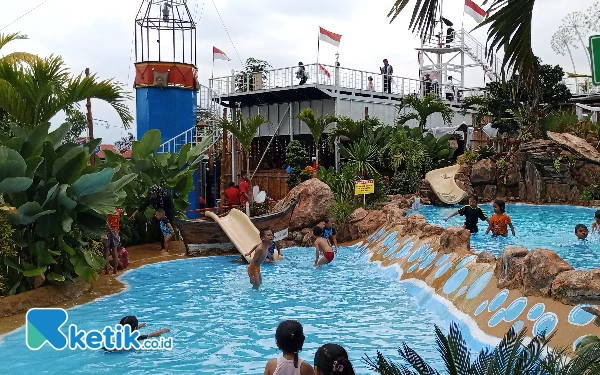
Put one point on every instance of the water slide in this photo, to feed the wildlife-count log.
(443, 184)
(240, 230)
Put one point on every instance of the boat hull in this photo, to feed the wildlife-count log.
(204, 235)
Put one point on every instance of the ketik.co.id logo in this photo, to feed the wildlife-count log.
(44, 326)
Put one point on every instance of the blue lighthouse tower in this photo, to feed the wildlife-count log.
(166, 75)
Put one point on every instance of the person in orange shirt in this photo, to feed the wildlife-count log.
(232, 195)
(244, 188)
(500, 221)
(112, 240)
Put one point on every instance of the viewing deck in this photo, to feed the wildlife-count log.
(322, 82)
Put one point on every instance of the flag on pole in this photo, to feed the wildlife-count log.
(219, 55)
(329, 37)
(325, 71)
(474, 11)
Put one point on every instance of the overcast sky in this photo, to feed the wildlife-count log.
(99, 35)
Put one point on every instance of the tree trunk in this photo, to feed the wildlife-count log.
(422, 125)
(317, 141)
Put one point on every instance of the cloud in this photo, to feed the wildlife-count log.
(99, 35)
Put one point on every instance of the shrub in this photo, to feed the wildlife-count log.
(296, 157)
(405, 182)
(340, 211)
(468, 157)
(257, 209)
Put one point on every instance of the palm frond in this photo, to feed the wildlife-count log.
(454, 350)
(510, 31)
(507, 353)
(362, 155)
(416, 361)
(403, 118)
(244, 129)
(384, 367)
(18, 57)
(7, 38)
(482, 363)
(423, 17)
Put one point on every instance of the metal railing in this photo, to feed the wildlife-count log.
(578, 86)
(193, 136)
(476, 52)
(316, 74)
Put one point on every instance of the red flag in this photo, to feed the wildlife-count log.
(325, 71)
(474, 11)
(329, 37)
(219, 55)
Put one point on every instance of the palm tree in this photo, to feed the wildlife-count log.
(362, 156)
(511, 356)
(15, 57)
(316, 125)
(352, 129)
(35, 92)
(423, 108)
(244, 130)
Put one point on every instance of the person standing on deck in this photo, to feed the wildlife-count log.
(159, 198)
(387, 70)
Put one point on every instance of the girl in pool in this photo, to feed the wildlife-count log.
(332, 359)
(289, 338)
(500, 221)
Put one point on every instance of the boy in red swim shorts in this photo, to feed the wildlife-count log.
(322, 246)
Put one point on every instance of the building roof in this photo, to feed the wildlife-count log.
(126, 154)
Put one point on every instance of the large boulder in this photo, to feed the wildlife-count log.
(315, 199)
(540, 268)
(394, 213)
(462, 178)
(486, 257)
(509, 267)
(363, 222)
(483, 173)
(574, 287)
(455, 240)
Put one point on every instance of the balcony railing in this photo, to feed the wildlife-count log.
(327, 76)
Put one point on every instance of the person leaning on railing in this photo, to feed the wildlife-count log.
(301, 73)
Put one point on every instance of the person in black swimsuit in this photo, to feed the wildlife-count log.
(472, 213)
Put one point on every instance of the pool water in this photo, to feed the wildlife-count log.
(220, 325)
(549, 227)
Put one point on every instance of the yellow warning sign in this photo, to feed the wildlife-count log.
(364, 187)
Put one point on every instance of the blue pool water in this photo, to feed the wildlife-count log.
(549, 227)
(221, 326)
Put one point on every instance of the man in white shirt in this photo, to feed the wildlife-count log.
(387, 72)
(449, 89)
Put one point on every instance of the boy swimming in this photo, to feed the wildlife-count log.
(596, 222)
(472, 213)
(322, 246)
(581, 231)
(260, 253)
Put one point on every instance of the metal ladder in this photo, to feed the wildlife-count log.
(476, 51)
(193, 136)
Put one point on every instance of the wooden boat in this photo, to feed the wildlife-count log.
(204, 235)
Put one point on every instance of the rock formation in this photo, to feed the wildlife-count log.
(315, 199)
(540, 267)
(574, 287)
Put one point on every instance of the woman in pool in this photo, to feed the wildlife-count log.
(332, 359)
(289, 338)
(500, 221)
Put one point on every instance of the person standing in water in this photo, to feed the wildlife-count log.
(472, 213)
(500, 221)
(322, 246)
(260, 253)
(329, 234)
(289, 338)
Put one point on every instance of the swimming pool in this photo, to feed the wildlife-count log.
(549, 227)
(220, 325)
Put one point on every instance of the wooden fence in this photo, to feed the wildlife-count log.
(273, 182)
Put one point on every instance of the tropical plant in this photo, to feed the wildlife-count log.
(244, 130)
(125, 143)
(34, 93)
(61, 201)
(316, 125)
(353, 130)
(173, 171)
(362, 156)
(559, 121)
(15, 57)
(244, 80)
(296, 157)
(78, 123)
(479, 104)
(404, 151)
(405, 182)
(421, 108)
(510, 356)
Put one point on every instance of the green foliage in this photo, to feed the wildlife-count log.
(174, 172)
(510, 356)
(78, 123)
(559, 121)
(296, 157)
(473, 156)
(245, 80)
(62, 202)
(258, 209)
(502, 163)
(316, 125)
(480, 105)
(420, 108)
(354, 130)
(405, 182)
(361, 156)
(340, 211)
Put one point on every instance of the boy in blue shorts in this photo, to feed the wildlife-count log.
(165, 227)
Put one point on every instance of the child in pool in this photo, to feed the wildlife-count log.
(322, 246)
(260, 253)
(332, 359)
(472, 213)
(165, 227)
(596, 222)
(270, 254)
(581, 231)
(132, 321)
(500, 221)
(289, 338)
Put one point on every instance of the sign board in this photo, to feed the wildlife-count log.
(595, 57)
(364, 187)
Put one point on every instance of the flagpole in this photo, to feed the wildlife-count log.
(318, 50)
(212, 73)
